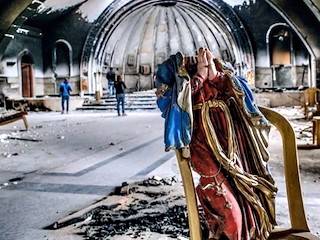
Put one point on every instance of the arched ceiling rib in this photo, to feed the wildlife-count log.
(173, 31)
(193, 27)
(218, 33)
(189, 43)
(10, 10)
(134, 43)
(162, 32)
(14, 13)
(131, 27)
(200, 28)
(122, 44)
(314, 5)
(146, 46)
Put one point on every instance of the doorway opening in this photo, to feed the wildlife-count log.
(27, 76)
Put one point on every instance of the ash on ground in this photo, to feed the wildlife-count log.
(151, 209)
(301, 125)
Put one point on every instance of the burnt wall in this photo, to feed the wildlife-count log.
(73, 29)
(10, 73)
(44, 31)
(257, 17)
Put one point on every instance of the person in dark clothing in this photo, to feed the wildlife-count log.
(120, 94)
(111, 76)
(65, 90)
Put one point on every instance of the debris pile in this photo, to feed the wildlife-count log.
(155, 205)
(301, 126)
(134, 221)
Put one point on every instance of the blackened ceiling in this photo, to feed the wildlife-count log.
(47, 16)
(9, 11)
(303, 15)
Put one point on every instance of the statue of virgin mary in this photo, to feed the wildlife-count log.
(210, 110)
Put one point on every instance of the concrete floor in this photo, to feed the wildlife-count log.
(83, 156)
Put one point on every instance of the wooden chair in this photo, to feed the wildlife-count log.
(299, 227)
(311, 99)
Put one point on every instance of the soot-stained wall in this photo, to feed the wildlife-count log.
(10, 74)
(40, 42)
(258, 17)
(73, 29)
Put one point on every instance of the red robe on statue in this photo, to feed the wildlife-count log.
(221, 146)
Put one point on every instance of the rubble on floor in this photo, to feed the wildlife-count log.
(69, 137)
(149, 207)
(301, 126)
(152, 209)
(18, 141)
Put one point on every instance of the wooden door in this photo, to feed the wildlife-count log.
(27, 80)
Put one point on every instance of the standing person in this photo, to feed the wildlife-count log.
(65, 90)
(111, 76)
(120, 94)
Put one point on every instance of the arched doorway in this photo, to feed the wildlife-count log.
(27, 76)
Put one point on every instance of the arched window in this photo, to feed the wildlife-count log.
(62, 59)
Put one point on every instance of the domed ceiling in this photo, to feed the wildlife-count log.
(152, 35)
(136, 38)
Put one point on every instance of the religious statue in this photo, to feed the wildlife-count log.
(210, 110)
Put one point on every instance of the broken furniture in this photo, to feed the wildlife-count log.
(3, 99)
(315, 135)
(316, 131)
(12, 116)
(311, 100)
(299, 227)
(19, 113)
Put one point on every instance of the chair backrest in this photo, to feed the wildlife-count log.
(292, 177)
(291, 169)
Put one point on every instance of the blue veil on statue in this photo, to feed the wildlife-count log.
(175, 103)
(175, 100)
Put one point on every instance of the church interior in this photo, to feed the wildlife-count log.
(82, 155)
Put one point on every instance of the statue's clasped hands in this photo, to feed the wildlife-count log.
(206, 69)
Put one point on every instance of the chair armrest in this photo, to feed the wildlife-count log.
(291, 167)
